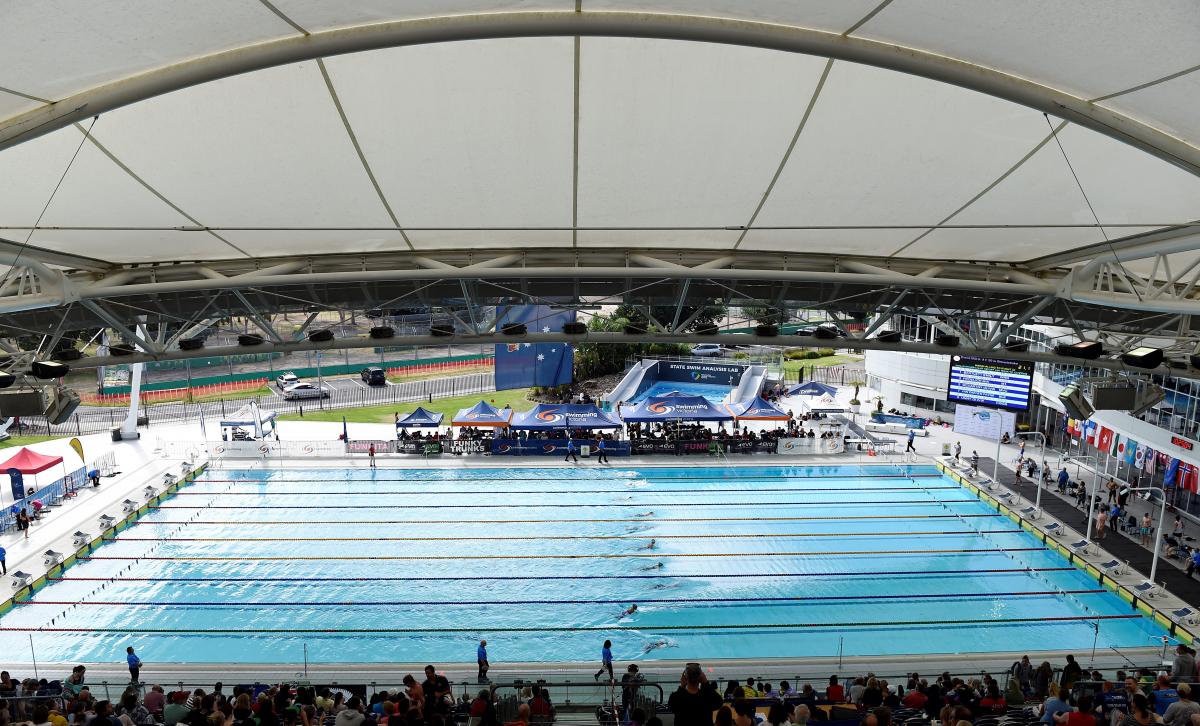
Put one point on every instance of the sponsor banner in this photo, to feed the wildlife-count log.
(362, 446)
(806, 445)
(651, 447)
(424, 448)
(555, 447)
(470, 447)
(711, 373)
(675, 448)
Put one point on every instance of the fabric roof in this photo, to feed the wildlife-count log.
(249, 415)
(812, 388)
(757, 409)
(673, 408)
(420, 418)
(482, 414)
(558, 416)
(28, 461)
(505, 143)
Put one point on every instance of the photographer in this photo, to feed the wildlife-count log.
(695, 700)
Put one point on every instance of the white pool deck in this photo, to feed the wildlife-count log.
(143, 463)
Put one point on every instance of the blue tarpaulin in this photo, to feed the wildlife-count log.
(482, 414)
(673, 408)
(812, 388)
(521, 365)
(757, 409)
(421, 418)
(558, 416)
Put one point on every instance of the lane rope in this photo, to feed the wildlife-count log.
(556, 475)
(326, 522)
(326, 507)
(373, 603)
(682, 492)
(518, 538)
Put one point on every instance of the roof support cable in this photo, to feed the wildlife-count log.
(1092, 209)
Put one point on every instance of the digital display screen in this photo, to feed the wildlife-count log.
(990, 382)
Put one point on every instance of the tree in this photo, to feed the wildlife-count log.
(712, 313)
(597, 359)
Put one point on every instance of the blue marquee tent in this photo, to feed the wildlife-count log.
(757, 409)
(812, 388)
(482, 414)
(421, 418)
(675, 408)
(552, 416)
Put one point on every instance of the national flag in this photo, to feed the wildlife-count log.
(520, 365)
(1089, 432)
(1188, 477)
(1104, 440)
(1148, 460)
(1171, 473)
(1129, 449)
(1115, 449)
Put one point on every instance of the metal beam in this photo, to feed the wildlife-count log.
(791, 341)
(773, 36)
(58, 259)
(1185, 238)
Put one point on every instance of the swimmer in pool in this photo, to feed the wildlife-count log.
(645, 514)
(650, 545)
(629, 611)
(655, 645)
(655, 566)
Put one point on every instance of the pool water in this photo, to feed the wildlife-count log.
(388, 565)
(714, 393)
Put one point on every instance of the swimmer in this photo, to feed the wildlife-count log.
(645, 514)
(656, 644)
(649, 545)
(655, 566)
(629, 611)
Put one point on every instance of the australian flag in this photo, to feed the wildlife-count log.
(520, 365)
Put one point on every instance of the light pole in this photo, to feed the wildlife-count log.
(1037, 504)
(1162, 515)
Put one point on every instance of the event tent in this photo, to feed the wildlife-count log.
(420, 418)
(676, 408)
(812, 388)
(757, 409)
(27, 461)
(553, 416)
(482, 414)
(824, 404)
(262, 422)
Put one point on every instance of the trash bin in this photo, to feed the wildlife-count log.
(945, 449)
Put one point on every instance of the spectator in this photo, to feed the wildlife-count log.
(522, 718)
(1053, 705)
(856, 690)
(40, 716)
(540, 707)
(103, 715)
(1163, 695)
(1113, 700)
(915, 698)
(177, 710)
(743, 713)
(631, 683)
(1071, 671)
(484, 709)
(724, 716)
(155, 699)
(1082, 716)
(993, 702)
(438, 696)
(352, 715)
(871, 695)
(834, 691)
(777, 715)
(695, 699)
(1140, 713)
(1022, 671)
(1183, 668)
(801, 715)
(136, 712)
(1180, 713)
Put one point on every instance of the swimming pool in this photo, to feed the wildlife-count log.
(714, 393)
(419, 564)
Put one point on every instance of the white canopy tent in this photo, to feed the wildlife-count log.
(261, 423)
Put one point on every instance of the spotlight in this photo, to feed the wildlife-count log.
(1074, 402)
(514, 329)
(574, 328)
(1085, 349)
(889, 336)
(824, 333)
(249, 340)
(1148, 396)
(1143, 357)
(766, 331)
(191, 343)
(7, 379)
(706, 329)
(66, 354)
(380, 332)
(947, 341)
(1017, 346)
(48, 370)
(321, 336)
(441, 331)
(121, 349)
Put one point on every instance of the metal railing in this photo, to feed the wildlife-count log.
(40, 501)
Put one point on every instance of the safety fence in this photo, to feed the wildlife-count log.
(94, 421)
(37, 503)
(832, 375)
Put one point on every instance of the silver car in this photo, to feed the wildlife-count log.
(286, 379)
(298, 391)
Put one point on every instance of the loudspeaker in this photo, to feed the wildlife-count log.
(191, 343)
(22, 403)
(889, 336)
(7, 379)
(321, 336)
(48, 370)
(574, 328)
(441, 331)
(1113, 398)
(67, 354)
(1017, 346)
(1087, 350)
(514, 329)
(1074, 403)
(121, 349)
(380, 332)
(766, 331)
(824, 333)
(1143, 357)
(63, 403)
(947, 341)
(706, 329)
(250, 339)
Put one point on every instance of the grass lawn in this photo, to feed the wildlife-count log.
(461, 371)
(826, 362)
(517, 398)
(26, 440)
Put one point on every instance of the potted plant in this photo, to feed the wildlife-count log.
(854, 402)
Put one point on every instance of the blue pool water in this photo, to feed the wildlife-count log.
(418, 565)
(712, 392)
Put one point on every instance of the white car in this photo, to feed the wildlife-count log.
(298, 391)
(286, 379)
(707, 350)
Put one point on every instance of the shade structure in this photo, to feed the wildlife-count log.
(757, 409)
(420, 418)
(812, 388)
(553, 416)
(482, 414)
(676, 408)
(262, 422)
(824, 404)
(30, 462)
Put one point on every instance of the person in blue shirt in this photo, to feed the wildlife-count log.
(571, 452)
(3, 561)
(135, 665)
(1063, 478)
(912, 436)
(1193, 562)
(482, 658)
(601, 454)
(605, 661)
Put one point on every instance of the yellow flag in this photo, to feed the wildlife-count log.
(78, 446)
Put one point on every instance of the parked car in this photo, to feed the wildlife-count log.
(374, 376)
(707, 350)
(283, 380)
(299, 391)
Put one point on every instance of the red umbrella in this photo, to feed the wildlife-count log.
(31, 462)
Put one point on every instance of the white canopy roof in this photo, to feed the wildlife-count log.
(674, 144)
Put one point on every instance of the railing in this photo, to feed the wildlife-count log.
(54, 493)
(833, 375)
